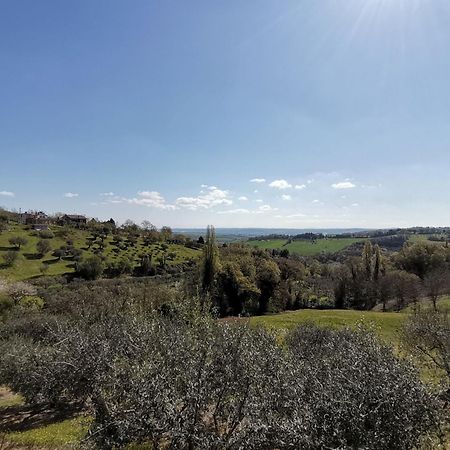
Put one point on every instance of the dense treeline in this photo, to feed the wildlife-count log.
(252, 281)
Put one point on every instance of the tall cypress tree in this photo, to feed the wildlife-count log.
(210, 259)
(367, 259)
(377, 264)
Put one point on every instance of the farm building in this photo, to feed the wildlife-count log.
(75, 220)
(36, 219)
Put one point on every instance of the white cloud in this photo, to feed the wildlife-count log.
(152, 199)
(243, 198)
(343, 185)
(70, 195)
(203, 186)
(7, 194)
(315, 201)
(107, 194)
(258, 180)
(310, 182)
(280, 184)
(259, 200)
(214, 197)
(300, 186)
(286, 197)
(235, 211)
(255, 191)
(355, 205)
(266, 208)
(293, 216)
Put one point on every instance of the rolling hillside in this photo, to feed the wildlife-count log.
(28, 264)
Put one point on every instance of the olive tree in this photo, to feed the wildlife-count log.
(17, 241)
(184, 380)
(43, 247)
(427, 334)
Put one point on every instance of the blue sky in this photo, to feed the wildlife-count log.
(166, 110)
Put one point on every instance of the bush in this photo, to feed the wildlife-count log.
(46, 234)
(17, 241)
(31, 302)
(43, 247)
(10, 257)
(427, 335)
(362, 396)
(90, 268)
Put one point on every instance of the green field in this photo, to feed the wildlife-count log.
(28, 263)
(306, 247)
(387, 324)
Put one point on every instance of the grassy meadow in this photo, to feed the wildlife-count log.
(28, 263)
(387, 324)
(306, 247)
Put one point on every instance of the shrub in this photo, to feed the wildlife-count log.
(91, 268)
(362, 396)
(43, 247)
(31, 302)
(46, 234)
(17, 241)
(427, 335)
(10, 257)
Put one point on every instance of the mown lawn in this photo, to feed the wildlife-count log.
(307, 247)
(28, 263)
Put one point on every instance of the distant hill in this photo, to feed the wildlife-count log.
(235, 234)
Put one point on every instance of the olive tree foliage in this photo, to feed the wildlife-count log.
(90, 268)
(436, 283)
(9, 258)
(43, 247)
(177, 378)
(363, 396)
(427, 334)
(17, 241)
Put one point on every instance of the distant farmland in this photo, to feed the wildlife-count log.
(307, 247)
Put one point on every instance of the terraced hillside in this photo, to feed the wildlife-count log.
(29, 262)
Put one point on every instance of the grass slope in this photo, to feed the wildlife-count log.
(306, 247)
(28, 264)
(63, 434)
(386, 324)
